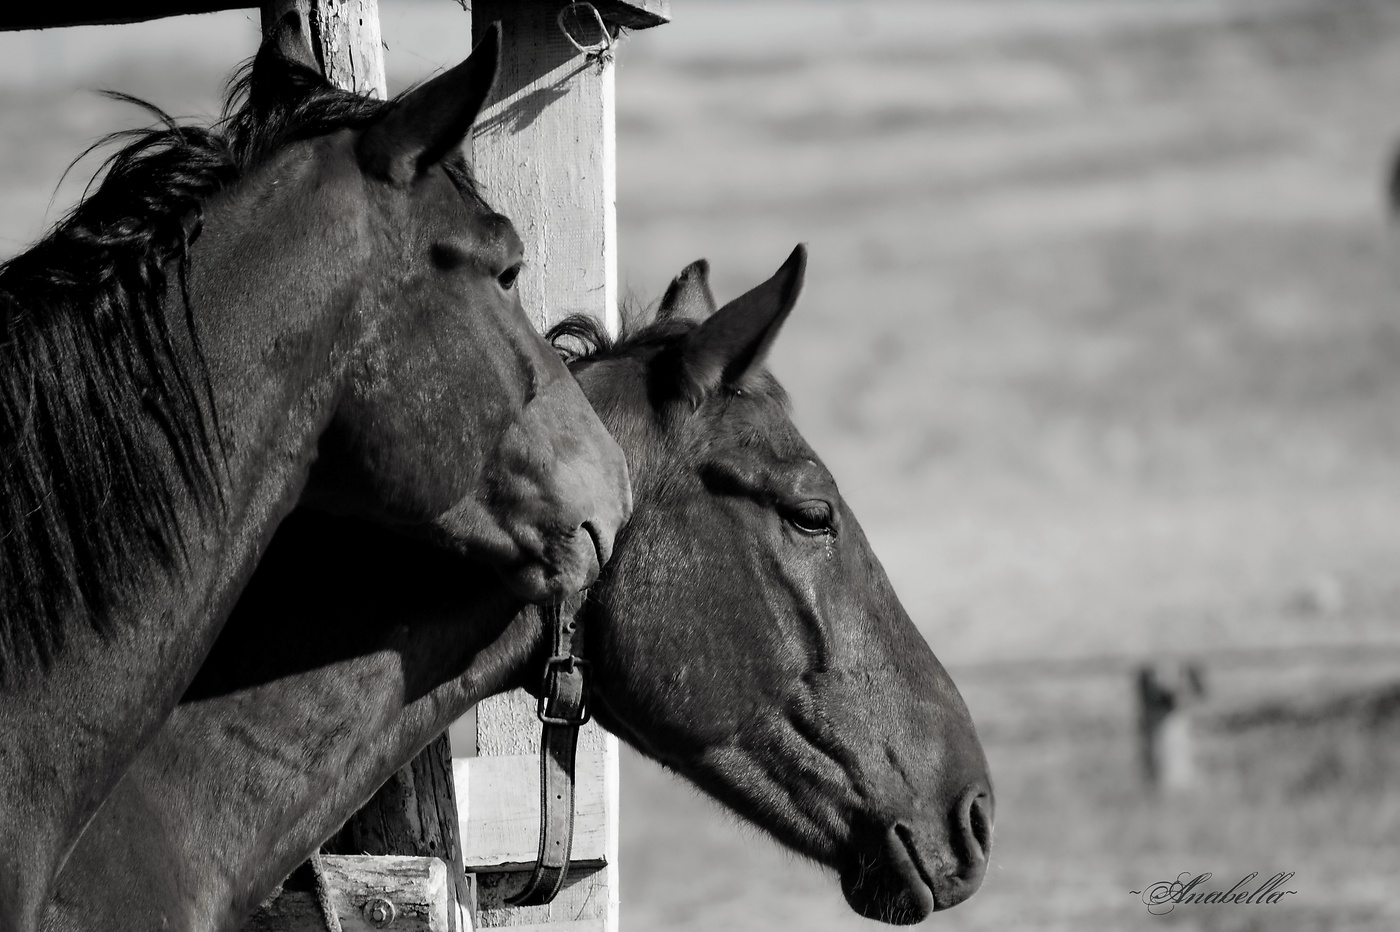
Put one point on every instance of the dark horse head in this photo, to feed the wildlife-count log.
(451, 418)
(309, 303)
(747, 636)
(743, 634)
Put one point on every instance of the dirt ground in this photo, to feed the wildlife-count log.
(1101, 338)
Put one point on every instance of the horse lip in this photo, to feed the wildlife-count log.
(602, 548)
(581, 562)
(561, 568)
(910, 851)
(889, 883)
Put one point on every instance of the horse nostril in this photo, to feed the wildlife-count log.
(976, 824)
(602, 543)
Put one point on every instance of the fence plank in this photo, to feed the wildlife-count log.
(405, 894)
(502, 794)
(415, 813)
(16, 14)
(545, 150)
(508, 730)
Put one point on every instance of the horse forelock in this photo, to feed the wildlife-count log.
(756, 415)
(105, 426)
(581, 338)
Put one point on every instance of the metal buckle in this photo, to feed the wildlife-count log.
(554, 668)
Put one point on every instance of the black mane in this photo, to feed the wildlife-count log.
(580, 337)
(104, 424)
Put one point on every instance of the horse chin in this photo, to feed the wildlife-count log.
(888, 882)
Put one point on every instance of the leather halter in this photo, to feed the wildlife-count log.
(563, 709)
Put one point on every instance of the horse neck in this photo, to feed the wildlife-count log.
(395, 642)
(272, 364)
(270, 300)
(269, 337)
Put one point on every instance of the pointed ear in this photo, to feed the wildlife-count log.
(430, 121)
(285, 70)
(733, 342)
(688, 297)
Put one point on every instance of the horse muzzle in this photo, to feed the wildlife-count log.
(570, 562)
(564, 494)
(902, 872)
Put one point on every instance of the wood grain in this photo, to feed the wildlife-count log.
(502, 795)
(416, 888)
(633, 14)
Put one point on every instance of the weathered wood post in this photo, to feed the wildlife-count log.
(1167, 693)
(415, 813)
(344, 34)
(545, 151)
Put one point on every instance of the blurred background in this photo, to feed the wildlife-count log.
(1101, 338)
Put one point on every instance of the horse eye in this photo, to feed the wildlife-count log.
(812, 517)
(507, 278)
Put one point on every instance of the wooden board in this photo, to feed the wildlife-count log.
(502, 793)
(414, 889)
(414, 813)
(545, 152)
(583, 900)
(582, 925)
(544, 149)
(18, 14)
(507, 730)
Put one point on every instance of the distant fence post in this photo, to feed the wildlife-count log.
(1167, 691)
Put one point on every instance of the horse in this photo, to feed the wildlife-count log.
(310, 302)
(743, 634)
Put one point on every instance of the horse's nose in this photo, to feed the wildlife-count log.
(971, 837)
(581, 490)
(599, 493)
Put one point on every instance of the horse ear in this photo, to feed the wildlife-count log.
(733, 342)
(285, 70)
(430, 121)
(688, 297)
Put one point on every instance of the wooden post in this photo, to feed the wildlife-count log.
(545, 153)
(1167, 693)
(345, 37)
(415, 813)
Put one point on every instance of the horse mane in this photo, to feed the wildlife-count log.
(104, 425)
(581, 337)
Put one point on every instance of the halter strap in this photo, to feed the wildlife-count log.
(563, 709)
